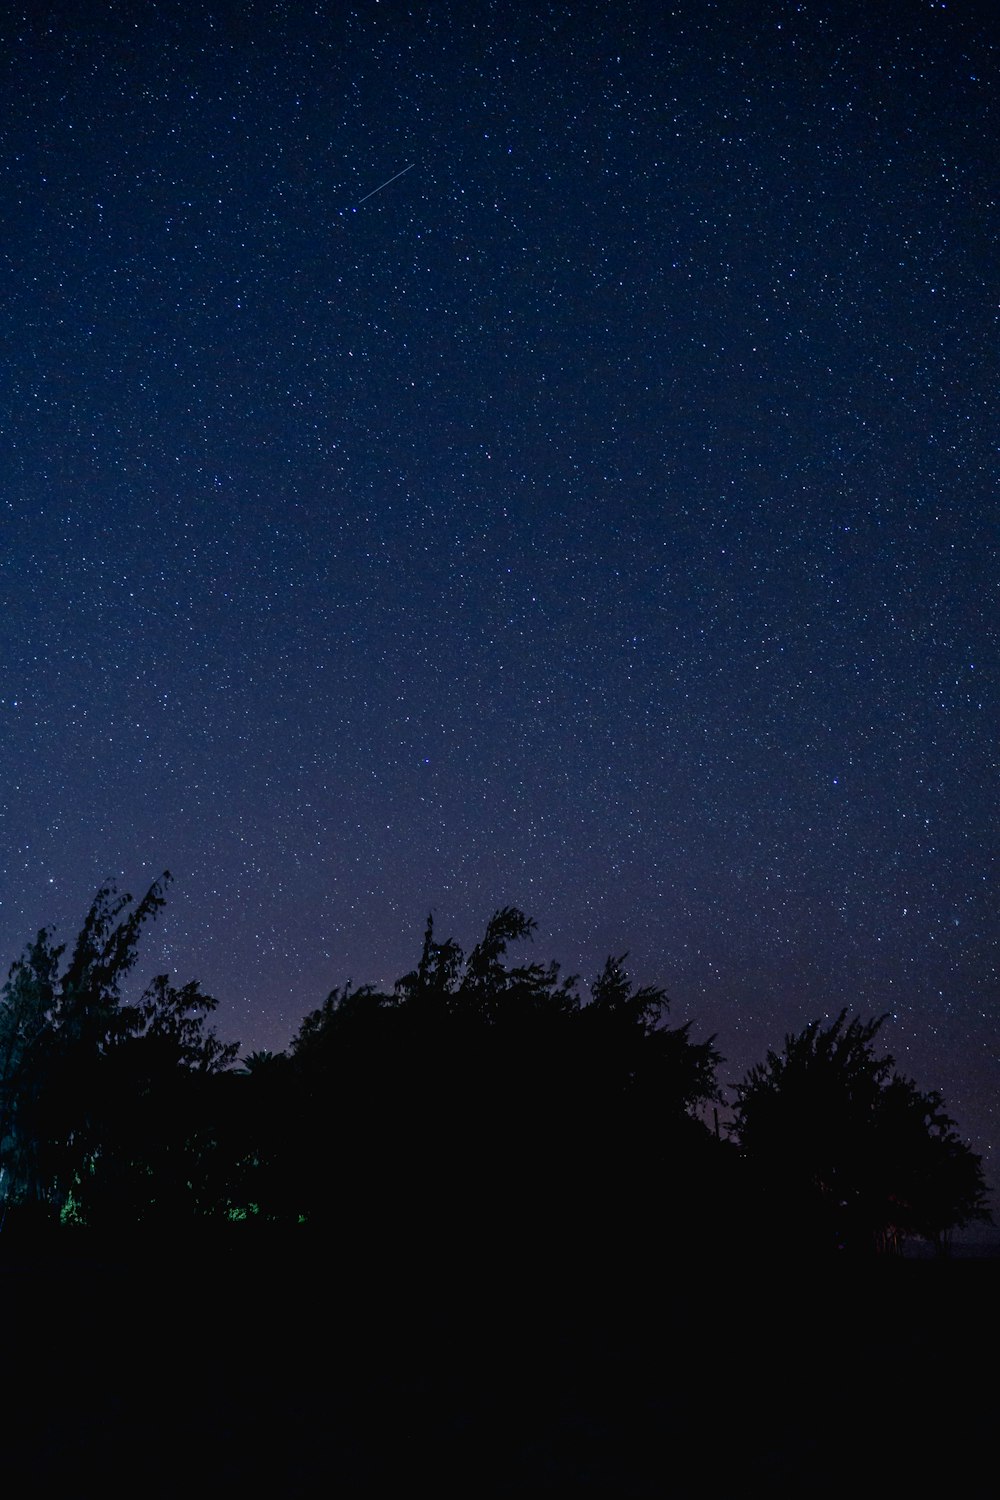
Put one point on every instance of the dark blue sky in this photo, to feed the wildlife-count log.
(599, 518)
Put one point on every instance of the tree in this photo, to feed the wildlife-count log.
(489, 1088)
(145, 1148)
(655, 1062)
(847, 1152)
(937, 1180)
(27, 1002)
(89, 1081)
(53, 1025)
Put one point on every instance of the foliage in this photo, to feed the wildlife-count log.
(479, 1094)
(96, 1093)
(850, 1151)
(487, 1086)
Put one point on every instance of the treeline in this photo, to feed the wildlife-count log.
(478, 1097)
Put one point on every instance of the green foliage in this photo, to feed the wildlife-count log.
(96, 1094)
(479, 1090)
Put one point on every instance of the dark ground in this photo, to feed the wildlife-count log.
(477, 1369)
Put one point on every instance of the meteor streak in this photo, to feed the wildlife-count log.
(384, 184)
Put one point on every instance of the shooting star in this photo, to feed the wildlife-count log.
(384, 184)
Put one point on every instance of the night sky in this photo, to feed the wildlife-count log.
(599, 517)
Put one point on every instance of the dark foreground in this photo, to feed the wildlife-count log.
(485, 1370)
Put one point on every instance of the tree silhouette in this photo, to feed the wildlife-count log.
(53, 1025)
(848, 1153)
(151, 1130)
(490, 1089)
(95, 1092)
(481, 1098)
(26, 1003)
(646, 1056)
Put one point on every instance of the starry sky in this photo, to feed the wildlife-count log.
(598, 517)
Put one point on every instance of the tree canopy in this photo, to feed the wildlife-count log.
(93, 1088)
(477, 1091)
(850, 1149)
